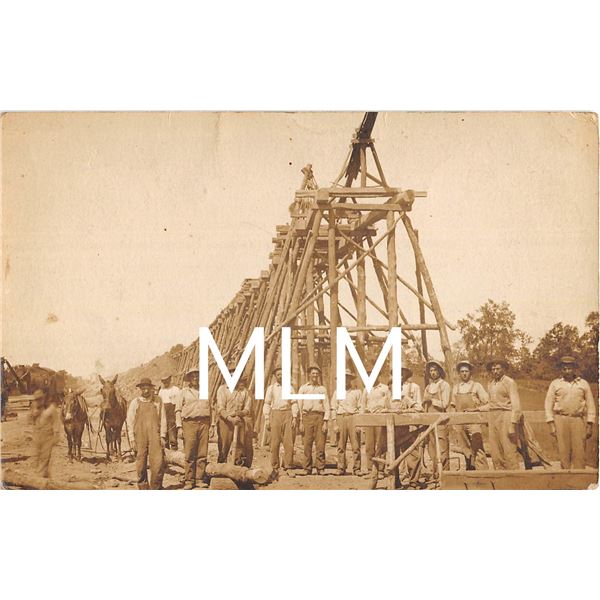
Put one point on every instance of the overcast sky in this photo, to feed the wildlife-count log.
(122, 233)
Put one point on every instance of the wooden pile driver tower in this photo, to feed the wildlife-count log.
(334, 233)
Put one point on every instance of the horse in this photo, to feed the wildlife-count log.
(75, 419)
(113, 413)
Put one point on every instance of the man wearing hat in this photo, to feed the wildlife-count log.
(314, 416)
(195, 419)
(437, 399)
(281, 417)
(376, 401)
(342, 414)
(47, 426)
(146, 420)
(235, 417)
(504, 415)
(169, 394)
(570, 414)
(467, 396)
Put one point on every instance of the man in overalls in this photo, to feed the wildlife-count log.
(145, 418)
(169, 394)
(235, 418)
(570, 414)
(504, 415)
(469, 396)
(437, 399)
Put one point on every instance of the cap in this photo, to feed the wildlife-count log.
(497, 361)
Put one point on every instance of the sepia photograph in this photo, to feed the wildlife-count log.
(389, 301)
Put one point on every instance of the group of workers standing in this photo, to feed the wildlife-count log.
(157, 421)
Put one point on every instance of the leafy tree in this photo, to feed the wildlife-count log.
(561, 340)
(491, 331)
(589, 347)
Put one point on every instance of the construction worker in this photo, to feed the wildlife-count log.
(170, 395)
(342, 414)
(504, 415)
(281, 418)
(314, 416)
(146, 420)
(570, 414)
(410, 401)
(195, 420)
(437, 399)
(235, 419)
(468, 396)
(376, 401)
(47, 426)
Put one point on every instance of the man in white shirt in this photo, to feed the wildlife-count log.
(342, 413)
(376, 401)
(281, 417)
(314, 416)
(169, 394)
(570, 414)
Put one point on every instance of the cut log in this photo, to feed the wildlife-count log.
(234, 472)
(34, 482)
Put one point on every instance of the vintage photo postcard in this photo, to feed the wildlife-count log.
(318, 301)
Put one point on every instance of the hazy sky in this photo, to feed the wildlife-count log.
(122, 233)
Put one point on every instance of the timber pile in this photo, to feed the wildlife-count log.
(319, 259)
(236, 473)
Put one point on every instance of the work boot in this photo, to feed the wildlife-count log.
(339, 472)
(189, 485)
(290, 473)
(319, 471)
(302, 472)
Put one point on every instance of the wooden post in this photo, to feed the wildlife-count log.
(361, 303)
(391, 282)
(310, 316)
(421, 306)
(391, 456)
(333, 299)
(437, 310)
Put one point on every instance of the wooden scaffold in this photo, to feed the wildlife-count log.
(337, 236)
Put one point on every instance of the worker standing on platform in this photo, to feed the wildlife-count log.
(195, 419)
(170, 394)
(467, 396)
(146, 420)
(235, 418)
(342, 414)
(504, 415)
(281, 417)
(570, 414)
(437, 399)
(314, 416)
(376, 401)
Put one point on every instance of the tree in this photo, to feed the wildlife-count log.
(491, 331)
(561, 340)
(589, 348)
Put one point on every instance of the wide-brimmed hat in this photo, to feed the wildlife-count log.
(166, 377)
(466, 363)
(313, 367)
(349, 373)
(406, 371)
(189, 374)
(567, 360)
(497, 361)
(144, 381)
(435, 363)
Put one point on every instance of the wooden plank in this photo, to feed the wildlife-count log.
(455, 418)
(544, 479)
(390, 454)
